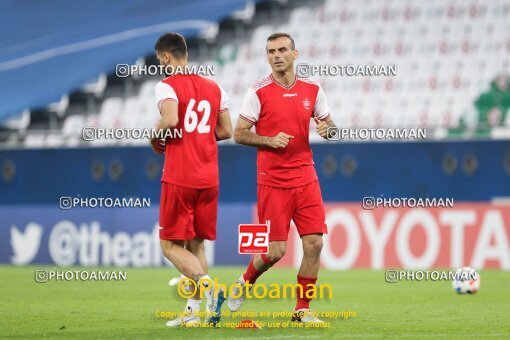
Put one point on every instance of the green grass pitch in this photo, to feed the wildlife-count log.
(127, 309)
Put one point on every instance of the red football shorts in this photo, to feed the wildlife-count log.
(185, 214)
(302, 204)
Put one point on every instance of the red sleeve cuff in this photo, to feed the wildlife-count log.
(323, 117)
(164, 100)
(247, 119)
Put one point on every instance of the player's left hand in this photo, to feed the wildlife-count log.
(158, 145)
(322, 127)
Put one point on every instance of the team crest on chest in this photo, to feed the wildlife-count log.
(307, 104)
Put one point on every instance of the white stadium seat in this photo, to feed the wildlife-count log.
(35, 140)
(147, 89)
(73, 125)
(110, 111)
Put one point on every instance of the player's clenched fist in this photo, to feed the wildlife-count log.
(322, 128)
(158, 145)
(281, 140)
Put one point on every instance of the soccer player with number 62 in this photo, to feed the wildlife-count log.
(198, 107)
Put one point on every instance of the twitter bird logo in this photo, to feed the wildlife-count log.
(25, 245)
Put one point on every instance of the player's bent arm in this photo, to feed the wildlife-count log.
(169, 119)
(224, 127)
(330, 124)
(243, 135)
(324, 125)
(169, 115)
(329, 121)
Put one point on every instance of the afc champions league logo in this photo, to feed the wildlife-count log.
(307, 104)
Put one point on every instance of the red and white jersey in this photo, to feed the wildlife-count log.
(274, 108)
(192, 161)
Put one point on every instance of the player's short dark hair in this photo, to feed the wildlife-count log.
(173, 43)
(277, 35)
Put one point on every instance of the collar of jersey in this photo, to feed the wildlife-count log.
(285, 87)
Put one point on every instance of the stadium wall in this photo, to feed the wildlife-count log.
(475, 232)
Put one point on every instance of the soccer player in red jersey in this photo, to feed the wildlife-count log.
(281, 106)
(198, 107)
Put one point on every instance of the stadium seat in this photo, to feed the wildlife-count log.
(110, 112)
(92, 120)
(54, 140)
(147, 89)
(97, 86)
(59, 107)
(300, 15)
(35, 140)
(19, 122)
(73, 126)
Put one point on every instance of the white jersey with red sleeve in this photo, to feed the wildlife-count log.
(192, 161)
(274, 108)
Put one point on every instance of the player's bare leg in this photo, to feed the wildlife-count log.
(196, 247)
(182, 259)
(312, 247)
(189, 265)
(175, 280)
(307, 276)
(214, 299)
(258, 265)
